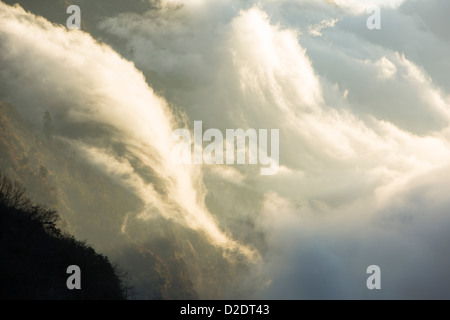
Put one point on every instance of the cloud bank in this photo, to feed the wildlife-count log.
(363, 118)
(84, 83)
(362, 123)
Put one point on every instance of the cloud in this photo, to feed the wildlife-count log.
(316, 29)
(361, 121)
(358, 7)
(326, 257)
(83, 82)
(228, 173)
(363, 118)
(386, 69)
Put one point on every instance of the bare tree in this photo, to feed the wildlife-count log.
(13, 195)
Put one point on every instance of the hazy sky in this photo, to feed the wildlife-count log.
(363, 116)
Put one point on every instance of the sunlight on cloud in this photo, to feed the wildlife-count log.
(316, 29)
(364, 128)
(279, 85)
(228, 173)
(340, 165)
(386, 69)
(107, 90)
(266, 56)
(358, 7)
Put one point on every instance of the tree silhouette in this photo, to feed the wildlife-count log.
(35, 254)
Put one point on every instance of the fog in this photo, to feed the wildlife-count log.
(363, 117)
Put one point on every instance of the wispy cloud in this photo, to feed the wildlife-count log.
(82, 81)
(363, 119)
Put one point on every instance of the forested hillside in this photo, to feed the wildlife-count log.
(35, 254)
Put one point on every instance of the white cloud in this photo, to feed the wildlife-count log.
(316, 29)
(343, 160)
(81, 81)
(360, 6)
(228, 173)
(386, 69)
(364, 129)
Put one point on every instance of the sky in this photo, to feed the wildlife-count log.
(363, 118)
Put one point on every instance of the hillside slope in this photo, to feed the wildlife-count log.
(35, 254)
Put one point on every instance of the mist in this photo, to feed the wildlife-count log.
(363, 119)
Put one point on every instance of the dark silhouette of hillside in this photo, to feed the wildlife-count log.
(35, 254)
